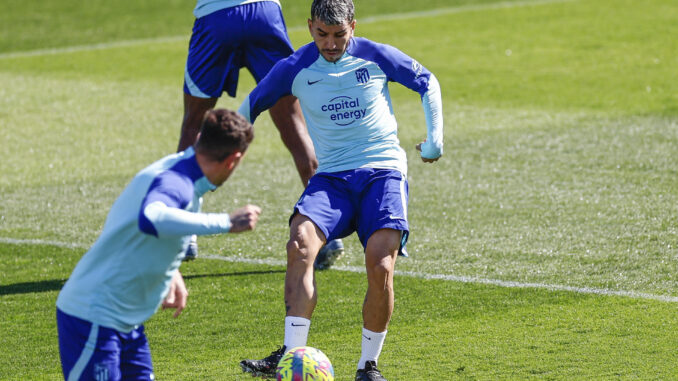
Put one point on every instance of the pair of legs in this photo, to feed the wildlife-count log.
(253, 36)
(286, 115)
(381, 251)
(371, 202)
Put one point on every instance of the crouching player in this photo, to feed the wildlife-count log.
(133, 267)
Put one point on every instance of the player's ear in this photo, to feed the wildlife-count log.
(233, 159)
(310, 26)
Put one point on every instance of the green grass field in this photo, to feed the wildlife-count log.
(544, 243)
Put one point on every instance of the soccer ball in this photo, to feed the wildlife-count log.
(304, 364)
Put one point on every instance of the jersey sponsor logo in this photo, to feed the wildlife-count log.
(344, 110)
(362, 75)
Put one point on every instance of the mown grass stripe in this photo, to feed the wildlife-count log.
(412, 274)
(366, 20)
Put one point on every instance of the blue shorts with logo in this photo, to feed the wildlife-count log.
(362, 200)
(251, 35)
(92, 352)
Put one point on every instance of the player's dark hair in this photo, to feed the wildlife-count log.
(222, 133)
(333, 12)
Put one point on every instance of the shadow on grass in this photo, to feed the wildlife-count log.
(56, 284)
(30, 287)
(263, 272)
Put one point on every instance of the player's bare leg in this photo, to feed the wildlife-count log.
(380, 256)
(194, 111)
(300, 293)
(287, 117)
(300, 288)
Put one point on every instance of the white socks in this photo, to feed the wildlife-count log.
(296, 335)
(372, 344)
(296, 331)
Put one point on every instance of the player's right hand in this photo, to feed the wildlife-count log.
(176, 297)
(435, 154)
(245, 218)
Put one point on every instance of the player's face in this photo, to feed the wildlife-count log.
(331, 40)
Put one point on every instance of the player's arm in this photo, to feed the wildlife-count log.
(162, 212)
(170, 221)
(275, 85)
(401, 68)
(432, 148)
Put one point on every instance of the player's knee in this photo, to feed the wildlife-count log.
(380, 269)
(297, 252)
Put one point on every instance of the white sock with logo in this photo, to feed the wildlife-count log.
(296, 331)
(372, 344)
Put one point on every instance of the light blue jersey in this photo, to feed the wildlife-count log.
(347, 105)
(205, 7)
(123, 278)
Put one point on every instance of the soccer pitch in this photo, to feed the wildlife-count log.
(544, 244)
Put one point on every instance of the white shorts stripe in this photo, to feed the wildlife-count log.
(402, 196)
(192, 87)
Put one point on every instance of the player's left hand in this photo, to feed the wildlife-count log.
(176, 298)
(424, 159)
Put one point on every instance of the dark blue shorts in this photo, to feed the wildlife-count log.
(363, 200)
(91, 352)
(251, 35)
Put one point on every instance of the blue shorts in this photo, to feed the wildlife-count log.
(362, 200)
(251, 35)
(91, 352)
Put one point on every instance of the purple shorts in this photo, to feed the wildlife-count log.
(362, 200)
(92, 352)
(251, 35)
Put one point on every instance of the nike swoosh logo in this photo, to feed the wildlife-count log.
(298, 325)
(313, 82)
(368, 338)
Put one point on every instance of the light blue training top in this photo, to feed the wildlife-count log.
(123, 278)
(347, 104)
(205, 7)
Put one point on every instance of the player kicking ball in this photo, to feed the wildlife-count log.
(360, 186)
(133, 267)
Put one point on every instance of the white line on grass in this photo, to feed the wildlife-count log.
(38, 242)
(457, 9)
(413, 274)
(366, 20)
(92, 47)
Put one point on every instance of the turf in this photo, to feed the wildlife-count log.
(559, 170)
(466, 331)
